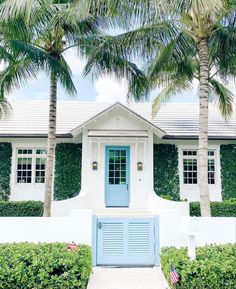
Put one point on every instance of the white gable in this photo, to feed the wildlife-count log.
(118, 118)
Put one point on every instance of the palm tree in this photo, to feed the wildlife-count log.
(64, 26)
(192, 54)
(181, 41)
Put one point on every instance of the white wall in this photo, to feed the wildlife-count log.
(77, 228)
(215, 230)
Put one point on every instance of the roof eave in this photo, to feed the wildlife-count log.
(66, 135)
(195, 137)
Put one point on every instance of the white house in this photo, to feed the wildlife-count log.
(115, 160)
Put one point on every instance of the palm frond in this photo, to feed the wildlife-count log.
(175, 87)
(185, 6)
(222, 96)
(42, 60)
(5, 107)
(28, 9)
(16, 75)
(66, 78)
(105, 62)
(141, 42)
(176, 55)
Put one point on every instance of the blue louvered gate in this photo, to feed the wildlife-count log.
(126, 241)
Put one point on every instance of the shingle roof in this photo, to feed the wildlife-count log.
(177, 120)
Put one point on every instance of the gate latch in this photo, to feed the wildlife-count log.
(99, 225)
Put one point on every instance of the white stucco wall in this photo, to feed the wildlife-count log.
(77, 228)
(214, 230)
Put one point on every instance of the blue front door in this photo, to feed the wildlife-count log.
(117, 176)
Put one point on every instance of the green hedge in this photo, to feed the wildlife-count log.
(228, 171)
(5, 170)
(21, 209)
(166, 175)
(67, 182)
(41, 266)
(214, 267)
(218, 209)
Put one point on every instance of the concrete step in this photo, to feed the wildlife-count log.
(127, 278)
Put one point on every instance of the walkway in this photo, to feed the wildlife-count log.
(127, 278)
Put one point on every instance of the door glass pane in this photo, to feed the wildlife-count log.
(117, 167)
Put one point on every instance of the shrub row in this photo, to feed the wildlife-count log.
(214, 267)
(21, 209)
(41, 266)
(218, 209)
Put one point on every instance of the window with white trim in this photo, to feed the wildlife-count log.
(190, 169)
(31, 165)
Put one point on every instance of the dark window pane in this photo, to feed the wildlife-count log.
(111, 174)
(117, 174)
(111, 167)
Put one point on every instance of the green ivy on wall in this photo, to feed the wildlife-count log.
(166, 173)
(228, 171)
(5, 170)
(67, 182)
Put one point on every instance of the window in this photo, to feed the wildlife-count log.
(190, 166)
(31, 165)
(211, 167)
(190, 169)
(117, 167)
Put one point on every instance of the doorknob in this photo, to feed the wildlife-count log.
(99, 225)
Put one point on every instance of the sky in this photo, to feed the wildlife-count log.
(103, 89)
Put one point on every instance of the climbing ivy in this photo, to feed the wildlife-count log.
(67, 182)
(5, 170)
(166, 174)
(228, 171)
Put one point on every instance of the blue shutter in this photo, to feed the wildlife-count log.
(112, 239)
(139, 241)
(126, 241)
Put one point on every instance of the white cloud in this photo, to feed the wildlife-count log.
(75, 62)
(108, 89)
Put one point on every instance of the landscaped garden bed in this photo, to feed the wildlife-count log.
(41, 266)
(214, 267)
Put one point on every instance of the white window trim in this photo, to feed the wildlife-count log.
(216, 148)
(33, 156)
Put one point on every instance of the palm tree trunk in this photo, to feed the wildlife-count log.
(50, 147)
(203, 129)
